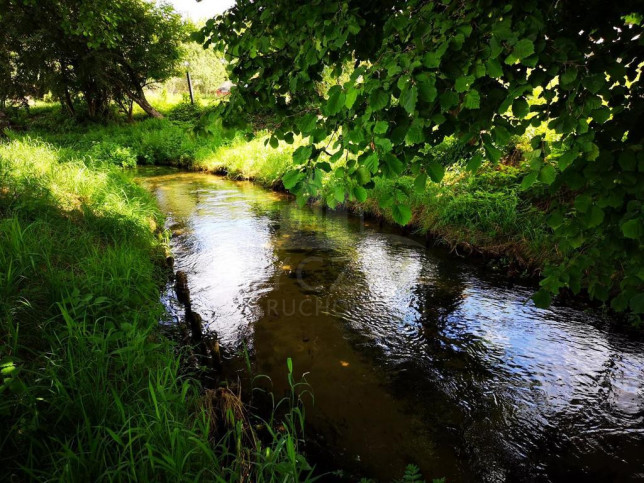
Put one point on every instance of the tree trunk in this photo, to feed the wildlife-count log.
(91, 108)
(67, 102)
(139, 98)
(130, 109)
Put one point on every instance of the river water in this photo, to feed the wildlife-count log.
(413, 355)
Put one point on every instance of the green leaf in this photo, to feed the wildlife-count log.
(427, 91)
(511, 59)
(306, 123)
(372, 162)
(463, 83)
(529, 179)
(457, 41)
(414, 134)
(420, 183)
(363, 175)
(336, 100)
(302, 154)
(448, 99)
(542, 299)
(401, 214)
(384, 143)
(520, 108)
(378, 99)
(494, 69)
(555, 219)
(523, 48)
(351, 96)
(566, 159)
(436, 171)
(493, 153)
(7, 367)
(472, 100)
(336, 156)
(495, 48)
(569, 75)
(582, 203)
(475, 163)
(601, 115)
(274, 142)
(394, 166)
(324, 166)
(408, 98)
(338, 194)
(627, 161)
(291, 178)
(381, 127)
(479, 70)
(594, 83)
(432, 60)
(547, 174)
(637, 303)
(501, 135)
(360, 193)
(632, 229)
(595, 217)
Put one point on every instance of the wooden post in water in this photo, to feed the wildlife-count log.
(192, 97)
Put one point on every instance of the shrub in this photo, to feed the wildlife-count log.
(112, 153)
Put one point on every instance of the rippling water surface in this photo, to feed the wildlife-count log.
(413, 355)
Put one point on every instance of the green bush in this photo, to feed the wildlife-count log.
(112, 153)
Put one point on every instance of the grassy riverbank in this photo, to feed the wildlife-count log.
(484, 212)
(90, 389)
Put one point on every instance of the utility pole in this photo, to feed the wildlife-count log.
(192, 97)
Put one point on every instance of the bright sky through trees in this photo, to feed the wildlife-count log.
(200, 10)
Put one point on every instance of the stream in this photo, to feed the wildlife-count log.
(413, 355)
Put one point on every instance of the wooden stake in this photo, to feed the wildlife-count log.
(192, 97)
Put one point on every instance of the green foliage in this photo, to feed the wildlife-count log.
(412, 475)
(433, 70)
(113, 153)
(99, 51)
(151, 141)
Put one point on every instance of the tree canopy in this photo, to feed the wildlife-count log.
(483, 71)
(103, 50)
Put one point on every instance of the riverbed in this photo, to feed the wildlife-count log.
(413, 354)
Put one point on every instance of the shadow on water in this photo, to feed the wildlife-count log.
(413, 356)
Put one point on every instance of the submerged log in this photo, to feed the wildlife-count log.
(215, 352)
(203, 347)
(181, 288)
(196, 325)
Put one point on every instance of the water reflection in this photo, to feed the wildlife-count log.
(414, 357)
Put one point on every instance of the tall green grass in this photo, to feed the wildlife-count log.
(89, 389)
(487, 211)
